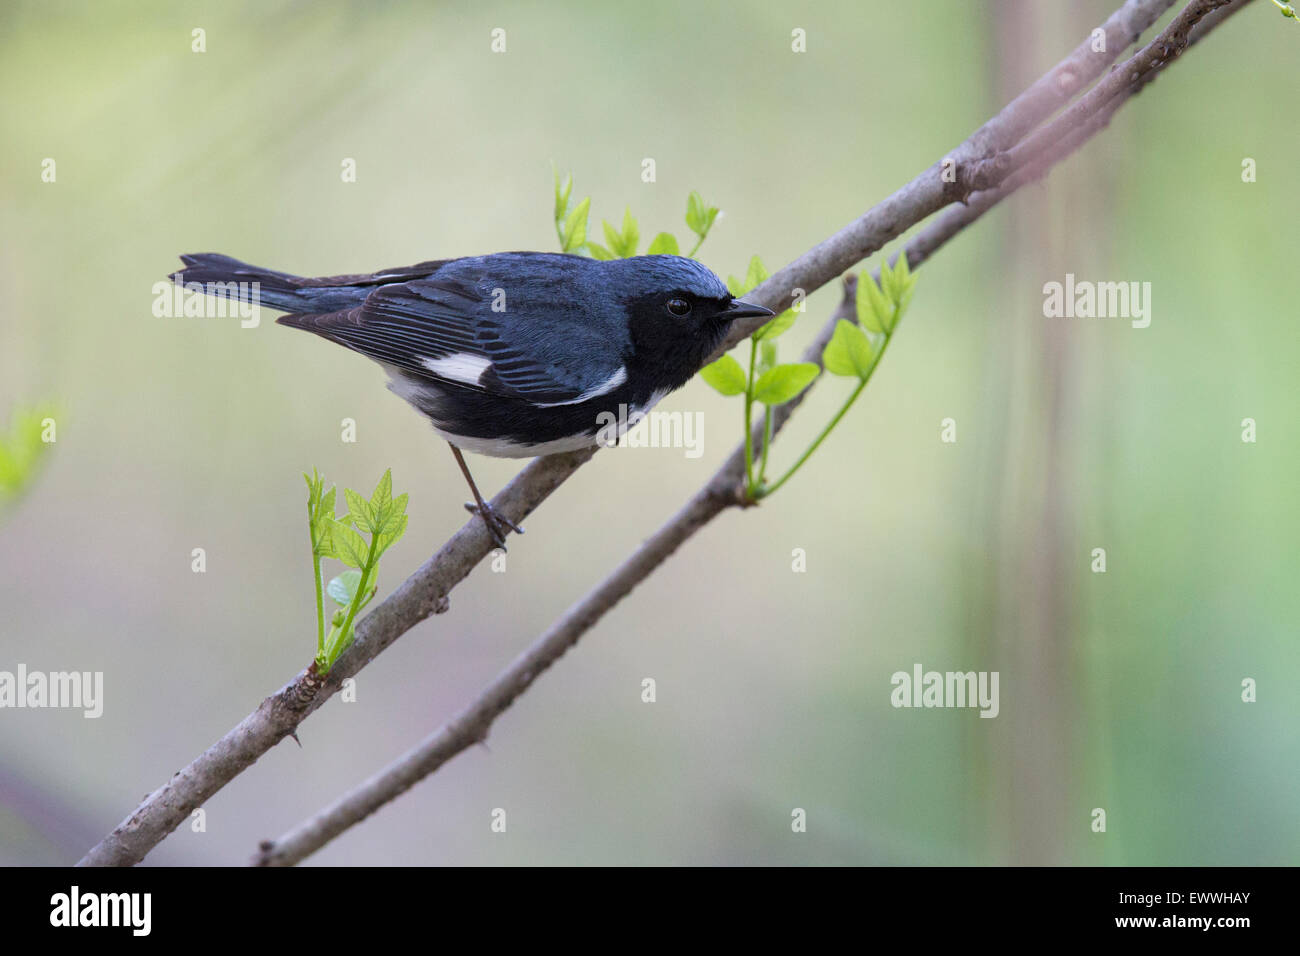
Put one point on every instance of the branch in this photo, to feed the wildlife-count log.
(426, 591)
(932, 190)
(422, 594)
(1115, 87)
(472, 724)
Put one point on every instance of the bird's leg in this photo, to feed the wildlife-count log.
(497, 524)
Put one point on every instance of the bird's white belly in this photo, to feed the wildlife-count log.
(415, 392)
(503, 448)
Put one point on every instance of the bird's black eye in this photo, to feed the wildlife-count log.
(679, 307)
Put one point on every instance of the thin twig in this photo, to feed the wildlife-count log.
(1114, 87)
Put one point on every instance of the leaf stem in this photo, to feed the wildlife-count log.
(889, 337)
(767, 443)
(358, 598)
(320, 602)
(749, 412)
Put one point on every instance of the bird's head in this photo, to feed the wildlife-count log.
(678, 312)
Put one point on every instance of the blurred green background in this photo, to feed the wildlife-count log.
(1119, 690)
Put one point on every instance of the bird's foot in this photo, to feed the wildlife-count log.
(498, 525)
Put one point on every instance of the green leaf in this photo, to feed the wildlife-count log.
(622, 243)
(695, 212)
(631, 233)
(896, 285)
(391, 533)
(873, 309)
(360, 511)
(699, 215)
(600, 252)
(394, 514)
(903, 273)
(888, 281)
(664, 244)
(613, 239)
(21, 450)
(320, 512)
(351, 547)
(322, 539)
(562, 195)
(849, 351)
(766, 355)
(344, 587)
(755, 274)
(383, 493)
(776, 327)
(725, 375)
(575, 226)
(778, 385)
(381, 502)
(398, 506)
(314, 483)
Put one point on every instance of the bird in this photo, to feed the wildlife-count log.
(512, 354)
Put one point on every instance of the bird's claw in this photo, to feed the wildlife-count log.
(498, 525)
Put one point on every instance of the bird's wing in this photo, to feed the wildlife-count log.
(540, 347)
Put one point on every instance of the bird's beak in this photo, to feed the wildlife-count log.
(740, 309)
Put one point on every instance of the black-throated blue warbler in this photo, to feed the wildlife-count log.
(515, 354)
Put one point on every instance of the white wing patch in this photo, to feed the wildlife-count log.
(611, 383)
(461, 367)
(469, 368)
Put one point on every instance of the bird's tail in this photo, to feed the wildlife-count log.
(228, 278)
